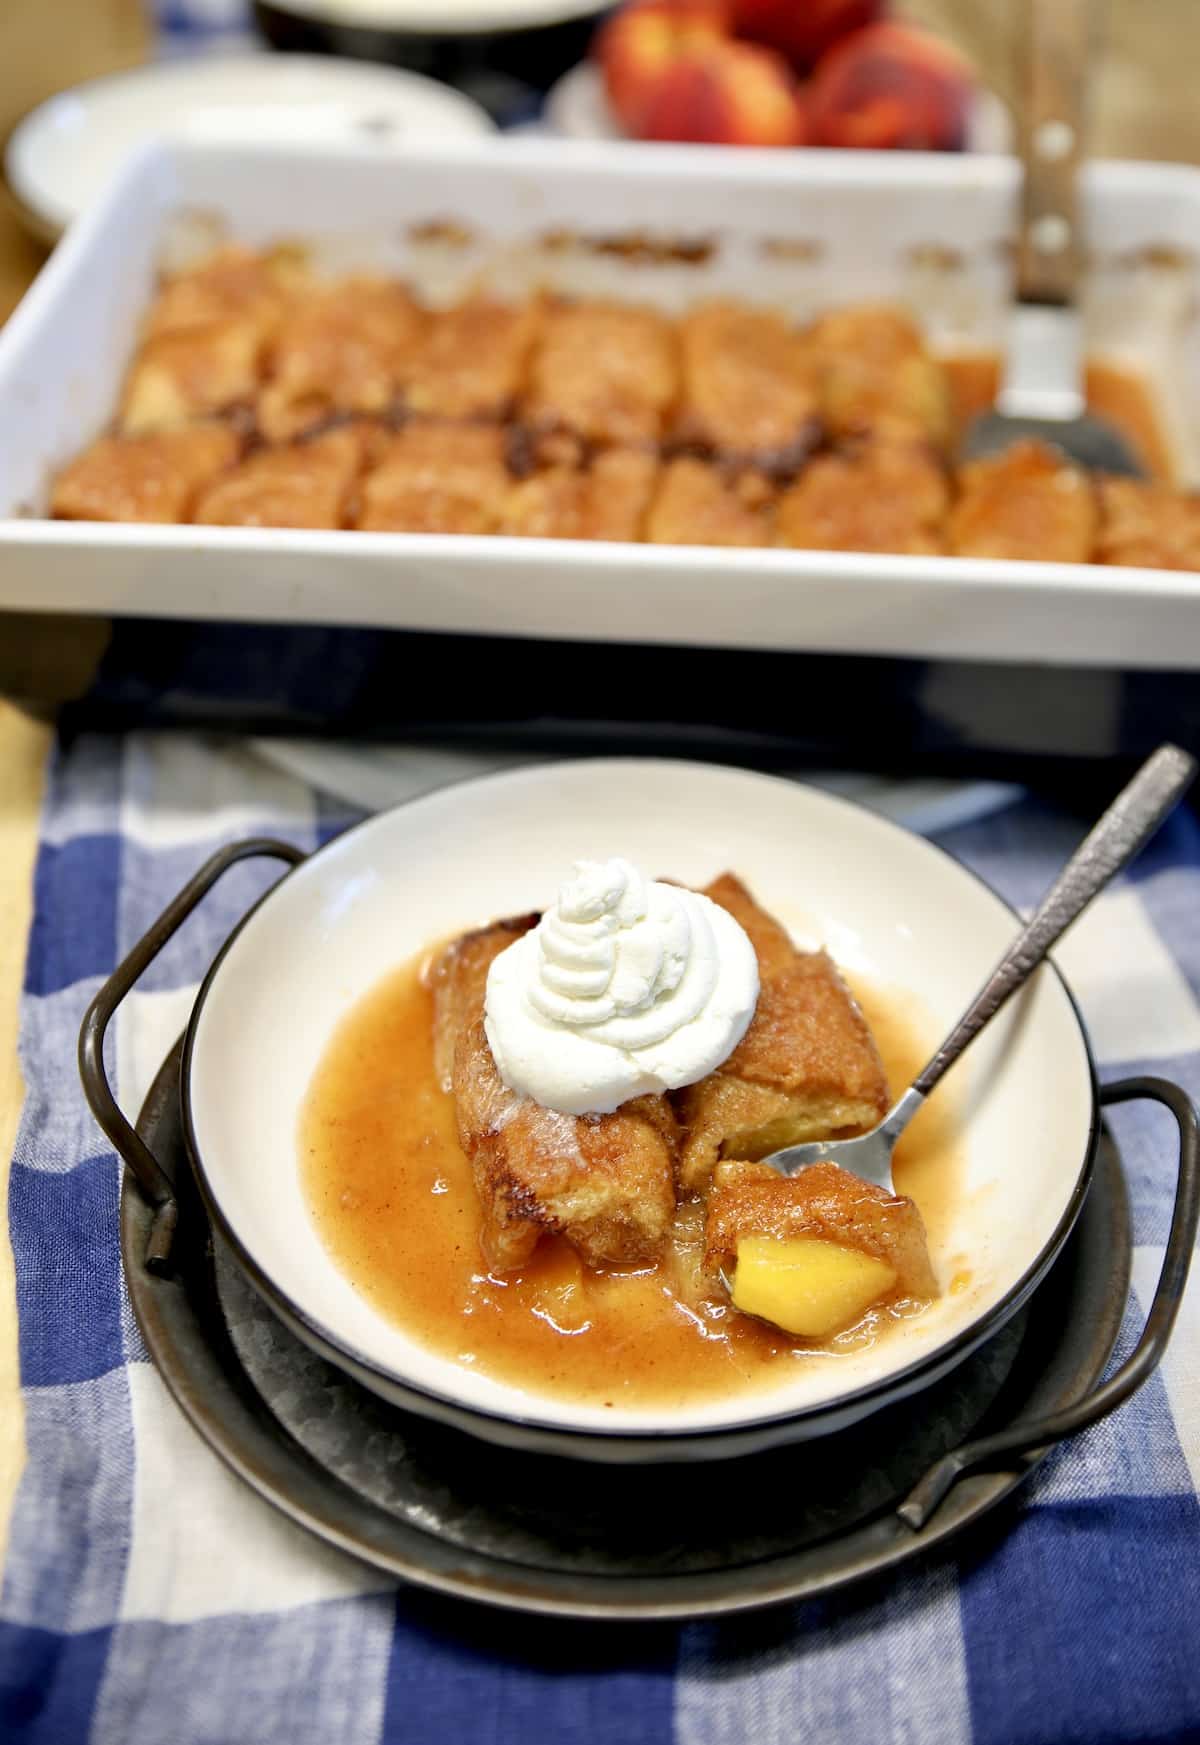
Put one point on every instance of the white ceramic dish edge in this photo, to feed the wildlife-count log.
(882, 218)
(419, 17)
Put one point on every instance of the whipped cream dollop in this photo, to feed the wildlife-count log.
(625, 987)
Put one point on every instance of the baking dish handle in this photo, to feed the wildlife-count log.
(150, 1175)
(1039, 1433)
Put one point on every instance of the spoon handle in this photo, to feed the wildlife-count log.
(1133, 817)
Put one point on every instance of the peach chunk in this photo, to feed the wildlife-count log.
(808, 1287)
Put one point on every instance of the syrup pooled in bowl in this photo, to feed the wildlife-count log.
(392, 1196)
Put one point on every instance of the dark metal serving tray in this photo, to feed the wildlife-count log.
(549, 1535)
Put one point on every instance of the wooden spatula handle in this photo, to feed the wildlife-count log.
(1059, 46)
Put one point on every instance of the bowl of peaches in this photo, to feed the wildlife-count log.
(478, 1096)
(773, 73)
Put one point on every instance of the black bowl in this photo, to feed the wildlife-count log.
(506, 70)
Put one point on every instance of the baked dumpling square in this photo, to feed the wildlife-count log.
(697, 503)
(472, 360)
(151, 478)
(345, 348)
(233, 283)
(887, 497)
(749, 384)
(297, 484)
(605, 499)
(192, 373)
(607, 372)
(1148, 525)
(605, 1182)
(807, 1067)
(878, 378)
(1028, 502)
(438, 478)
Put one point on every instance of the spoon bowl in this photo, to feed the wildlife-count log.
(868, 1155)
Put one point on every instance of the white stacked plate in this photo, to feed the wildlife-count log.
(65, 152)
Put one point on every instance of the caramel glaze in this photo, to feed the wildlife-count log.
(391, 1195)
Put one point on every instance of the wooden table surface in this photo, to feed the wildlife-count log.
(1144, 106)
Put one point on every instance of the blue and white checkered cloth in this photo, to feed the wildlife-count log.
(150, 1599)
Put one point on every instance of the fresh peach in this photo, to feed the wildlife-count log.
(891, 85)
(802, 29)
(641, 41)
(730, 93)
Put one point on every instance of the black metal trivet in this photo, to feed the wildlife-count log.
(439, 1508)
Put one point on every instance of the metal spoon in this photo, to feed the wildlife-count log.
(1129, 822)
(1042, 391)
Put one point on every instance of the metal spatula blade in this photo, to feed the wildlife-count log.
(1041, 397)
(1042, 390)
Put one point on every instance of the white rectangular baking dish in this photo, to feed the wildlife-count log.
(805, 229)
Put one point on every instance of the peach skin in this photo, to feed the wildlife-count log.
(891, 85)
(642, 41)
(728, 94)
(802, 32)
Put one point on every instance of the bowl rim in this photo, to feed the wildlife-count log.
(48, 217)
(350, 1358)
(424, 19)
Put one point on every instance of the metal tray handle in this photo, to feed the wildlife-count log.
(1040, 1433)
(151, 1178)
(916, 1510)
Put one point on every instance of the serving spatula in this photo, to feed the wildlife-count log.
(1042, 385)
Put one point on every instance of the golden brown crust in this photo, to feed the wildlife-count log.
(749, 383)
(192, 373)
(605, 1182)
(1148, 525)
(877, 378)
(697, 504)
(1027, 502)
(233, 283)
(615, 421)
(807, 1067)
(343, 348)
(606, 500)
(878, 497)
(473, 360)
(609, 372)
(298, 484)
(822, 1201)
(152, 478)
(438, 478)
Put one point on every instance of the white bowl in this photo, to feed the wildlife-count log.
(890, 907)
(64, 153)
(441, 18)
(577, 106)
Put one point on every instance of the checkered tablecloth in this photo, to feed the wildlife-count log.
(150, 1599)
